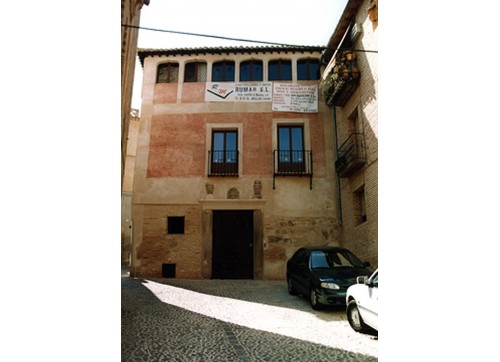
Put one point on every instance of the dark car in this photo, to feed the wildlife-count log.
(324, 273)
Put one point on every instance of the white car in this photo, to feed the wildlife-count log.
(362, 304)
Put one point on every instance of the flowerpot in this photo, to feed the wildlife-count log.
(349, 56)
(345, 73)
(355, 72)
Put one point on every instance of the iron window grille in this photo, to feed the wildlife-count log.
(195, 72)
(168, 73)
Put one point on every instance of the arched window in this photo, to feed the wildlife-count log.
(168, 73)
(223, 71)
(195, 72)
(280, 69)
(251, 71)
(308, 69)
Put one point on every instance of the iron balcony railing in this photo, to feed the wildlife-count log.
(292, 163)
(350, 155)
(223, 163)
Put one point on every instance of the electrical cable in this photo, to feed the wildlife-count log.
(229, 38)
(209, 36)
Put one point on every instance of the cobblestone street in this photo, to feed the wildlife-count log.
(228, 320)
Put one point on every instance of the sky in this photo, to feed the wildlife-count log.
(279, 21)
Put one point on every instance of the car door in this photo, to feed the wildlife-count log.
(300, 271)
(303, 273)
(368, 303)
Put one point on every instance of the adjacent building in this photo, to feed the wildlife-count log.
(349, 84)
(128, 179)
(234, 163)
(130, 18)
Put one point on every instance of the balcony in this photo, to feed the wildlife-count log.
(223, 163)
(343, 80)
(293, 163)
(351, 155)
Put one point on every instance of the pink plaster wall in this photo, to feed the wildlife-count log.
(193, 92)
(165, 93)
(177, 146)
(178, 143)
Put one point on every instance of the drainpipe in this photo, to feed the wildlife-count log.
(339, 203)
(131, 227)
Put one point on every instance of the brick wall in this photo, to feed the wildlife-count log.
(284, 235)
(362, 238)
(158, 247)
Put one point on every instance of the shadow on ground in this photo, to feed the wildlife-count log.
(157, 331)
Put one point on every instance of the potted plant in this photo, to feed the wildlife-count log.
(355, 72)
(344, 71)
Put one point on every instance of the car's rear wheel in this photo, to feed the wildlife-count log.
(355, 320)
(291, 288)
(313, 298)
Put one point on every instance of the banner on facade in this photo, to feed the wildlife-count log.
(239, 92)
(285, 97)
(293, 97)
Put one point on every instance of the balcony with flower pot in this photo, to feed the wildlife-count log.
(342, 80)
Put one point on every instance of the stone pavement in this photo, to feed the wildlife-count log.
(232, 320)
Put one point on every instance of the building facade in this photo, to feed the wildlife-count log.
(234, 164)
(349, 84)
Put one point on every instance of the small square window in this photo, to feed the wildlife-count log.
(175, 225)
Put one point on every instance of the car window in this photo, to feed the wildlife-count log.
(346, 258)
(319, 260)
(333, 259)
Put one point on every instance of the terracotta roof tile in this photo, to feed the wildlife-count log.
(143, 53)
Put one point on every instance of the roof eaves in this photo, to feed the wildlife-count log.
(350, 11)
(143, 53)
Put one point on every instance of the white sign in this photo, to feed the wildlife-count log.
(285, 97)
(219, 92)
(239, 92)
(253, 92)
(293, 97)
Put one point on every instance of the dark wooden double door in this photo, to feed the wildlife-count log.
(232, 244)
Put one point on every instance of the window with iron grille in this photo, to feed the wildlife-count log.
(224, 153)
(168, 73)
(251, 70)
(195, 72)
(223, 71)
(280, 70)
(308, 69)
(291, 149)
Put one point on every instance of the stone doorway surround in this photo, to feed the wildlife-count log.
(208, 205)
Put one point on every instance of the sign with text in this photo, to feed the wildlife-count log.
(285, 97)
(293, 97)
(253, 92)
(238, 92)
(219, 92)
